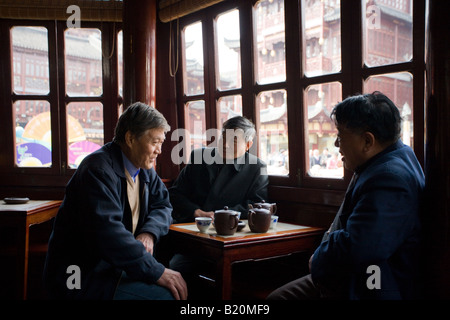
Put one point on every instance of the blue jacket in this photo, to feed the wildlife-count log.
(379, 227)
(92, 229)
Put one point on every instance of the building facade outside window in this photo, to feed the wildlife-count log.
(291, 107)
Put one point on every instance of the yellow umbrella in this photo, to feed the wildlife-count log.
(39, 129)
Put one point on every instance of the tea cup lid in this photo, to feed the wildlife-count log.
(258, 208)
(226, 210)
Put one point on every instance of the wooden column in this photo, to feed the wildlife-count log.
(436, 256)
(139, 51)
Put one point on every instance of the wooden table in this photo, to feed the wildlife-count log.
(22, 216)
(242, 246)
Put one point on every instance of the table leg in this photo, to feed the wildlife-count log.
(22, 260)
(224, 278)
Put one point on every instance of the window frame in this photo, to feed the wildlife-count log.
(352, 76)
(59, 172)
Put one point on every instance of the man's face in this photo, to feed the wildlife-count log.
(232, 144)
(351, 146)
(145, 149)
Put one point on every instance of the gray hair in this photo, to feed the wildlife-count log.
(242, 123)
(137, 119)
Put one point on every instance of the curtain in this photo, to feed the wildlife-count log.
(173, 9)
(90, 10)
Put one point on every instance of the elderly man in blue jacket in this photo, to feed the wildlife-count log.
(114, 211)
(371, 249)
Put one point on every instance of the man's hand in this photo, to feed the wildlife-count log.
(147, 240)
(201, 213)
(173, 281)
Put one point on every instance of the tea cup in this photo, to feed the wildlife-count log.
(203, 223)
(273, 222)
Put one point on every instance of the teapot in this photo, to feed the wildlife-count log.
(259, 218)
(226, 221)
(269, 206)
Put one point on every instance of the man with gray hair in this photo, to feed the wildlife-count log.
(214, 178)
(114, 211)
(233, 177)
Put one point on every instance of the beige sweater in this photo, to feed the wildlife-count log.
(133, 197)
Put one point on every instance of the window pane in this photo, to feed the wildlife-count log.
(399, 88)
(84, 130)
(273, 131)
(195, 123)
(229, 107)
(229, 50)
(83, 62)
(33, 134)
(193, 64)
(120, 62)
(322, 36)
(270, 37)
(388, 30)
(30, 60)
(324, 157)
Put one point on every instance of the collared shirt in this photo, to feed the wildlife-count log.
(132, 170)
(237, 163)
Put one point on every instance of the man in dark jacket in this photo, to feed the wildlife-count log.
(371, 249)
(214, 178)
(225, 176)
(114, 211)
